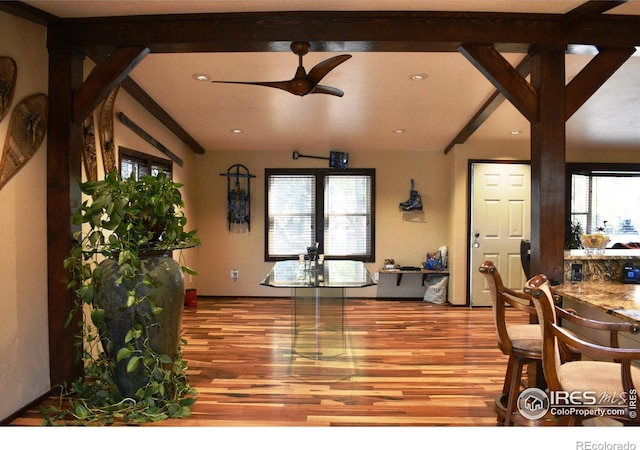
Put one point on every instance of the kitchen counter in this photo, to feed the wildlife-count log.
(616, 299)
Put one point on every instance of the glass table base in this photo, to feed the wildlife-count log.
(318, 322)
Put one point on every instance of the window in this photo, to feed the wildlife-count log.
(333, 208)
(136, 163)
(606, 196)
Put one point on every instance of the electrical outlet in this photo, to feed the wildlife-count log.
(576, 272)
(234, 274)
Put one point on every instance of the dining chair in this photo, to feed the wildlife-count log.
(522, 343)
(605, 371)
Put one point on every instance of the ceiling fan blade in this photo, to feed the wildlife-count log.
(324, 67)
(284, 85)
(320, 89)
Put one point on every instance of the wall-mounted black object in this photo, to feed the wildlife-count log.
(576, 272)
(631, 274)
(414, 203)
(238, 199)
(337, 160)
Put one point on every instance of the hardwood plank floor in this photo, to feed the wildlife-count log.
(407, 363)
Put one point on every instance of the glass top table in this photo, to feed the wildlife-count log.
(318, 294)
(330, 274)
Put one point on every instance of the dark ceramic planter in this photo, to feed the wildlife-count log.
(164, 328)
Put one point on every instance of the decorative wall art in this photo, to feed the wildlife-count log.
(414, 202)
(89, 155)
(27, 129)
(8, 73)
(337, 160)
(238, 196)
(107, 142)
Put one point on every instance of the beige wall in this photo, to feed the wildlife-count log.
(24, 345)
(405, 237)
(440, 179)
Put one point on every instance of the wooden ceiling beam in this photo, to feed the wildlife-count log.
(141, 96)
(594, 75)
(504, 77)
(104, 78)
(590, 10)
(495, 100)
(355, 31)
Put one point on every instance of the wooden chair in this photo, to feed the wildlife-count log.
(607, 372)
(522, 343)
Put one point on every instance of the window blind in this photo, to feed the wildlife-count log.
(292, 206)
(347, 215)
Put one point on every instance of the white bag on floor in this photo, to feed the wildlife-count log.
(437, 292)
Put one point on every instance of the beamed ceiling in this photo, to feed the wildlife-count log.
(389, 42)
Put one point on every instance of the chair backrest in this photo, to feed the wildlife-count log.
(525, 257)
(497, 290)
(539, 288)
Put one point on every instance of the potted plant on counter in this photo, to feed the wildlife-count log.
(130, 294)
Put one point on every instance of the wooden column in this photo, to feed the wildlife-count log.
(548, 142)
(64, 150)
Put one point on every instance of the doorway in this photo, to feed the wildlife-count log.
(500, 218)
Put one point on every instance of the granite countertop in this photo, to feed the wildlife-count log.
(609, 253)
(622, 300)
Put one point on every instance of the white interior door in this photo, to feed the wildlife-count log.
(500, 219)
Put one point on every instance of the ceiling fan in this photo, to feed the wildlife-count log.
(303, 83)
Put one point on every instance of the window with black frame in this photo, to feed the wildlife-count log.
(333, 208)
(136, 164)
(605, 197)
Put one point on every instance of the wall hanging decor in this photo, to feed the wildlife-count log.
(238, 195)
(107, 142)
(337, 160)
(8, 72)
(89, 155)
(414, 202)
(27, 128)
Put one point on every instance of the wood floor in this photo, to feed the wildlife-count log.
(407, 363)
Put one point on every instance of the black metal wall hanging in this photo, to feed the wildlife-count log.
(337, 160)
(238, 195)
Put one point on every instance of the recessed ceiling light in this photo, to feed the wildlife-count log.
(399, 130)
(237, 130)
(200, 77)
(515, 132)
(418, 77)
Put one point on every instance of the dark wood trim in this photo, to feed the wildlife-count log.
(548, 143)
(344, 31)
(470, 164)
(504, 77)
(495, 100)
(64, 168)
(150, 139)
(591, 10)
(27, 12)
(104, 78)
(594, 75)
(156, 110)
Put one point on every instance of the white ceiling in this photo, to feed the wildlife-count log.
(379, 95)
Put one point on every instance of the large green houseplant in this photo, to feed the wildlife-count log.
(130, 293)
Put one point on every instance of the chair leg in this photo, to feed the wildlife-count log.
(514, 389)
(508, 375)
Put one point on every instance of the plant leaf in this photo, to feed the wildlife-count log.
(123, 353)
(132, 365)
